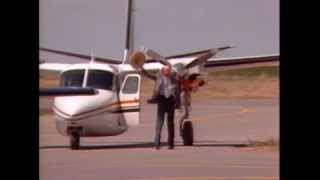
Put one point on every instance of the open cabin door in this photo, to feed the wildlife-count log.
(130, 99)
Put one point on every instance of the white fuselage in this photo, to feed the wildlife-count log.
(102, 114)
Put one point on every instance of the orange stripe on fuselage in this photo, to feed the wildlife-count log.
(118, 103)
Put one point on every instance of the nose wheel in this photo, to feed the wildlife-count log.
(75, 139)
(187, 133)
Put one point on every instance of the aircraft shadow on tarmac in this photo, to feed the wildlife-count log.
(135, 145)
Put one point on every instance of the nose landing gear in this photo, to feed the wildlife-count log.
(74, 134)
(75, 140)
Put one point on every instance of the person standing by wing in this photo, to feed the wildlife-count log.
(167, 96)
(168, 87)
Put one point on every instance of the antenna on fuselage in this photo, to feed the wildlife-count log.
(86, 73)
(128, 48)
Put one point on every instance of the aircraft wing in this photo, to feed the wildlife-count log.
(56, 60)
(58, 67)
(185, 61)
(206, 58)
(188, 60)
(57, 56)
(242, 62)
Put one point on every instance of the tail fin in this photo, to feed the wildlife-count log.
(129, 42)
(86, 73)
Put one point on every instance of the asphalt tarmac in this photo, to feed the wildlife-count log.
(221, 128)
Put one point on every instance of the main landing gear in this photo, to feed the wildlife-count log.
(187, 133)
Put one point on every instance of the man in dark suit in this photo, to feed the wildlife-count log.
(167, 96)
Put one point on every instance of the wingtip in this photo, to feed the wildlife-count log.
(226, 47)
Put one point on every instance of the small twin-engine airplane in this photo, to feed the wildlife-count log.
(102, 97)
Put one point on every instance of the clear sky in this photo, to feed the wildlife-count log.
(168, 26)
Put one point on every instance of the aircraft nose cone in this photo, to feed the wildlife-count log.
(78, 105)
(72, 109)
(72, 106)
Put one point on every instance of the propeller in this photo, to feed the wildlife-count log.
(137, 59)
(178, 68)
(154, 55)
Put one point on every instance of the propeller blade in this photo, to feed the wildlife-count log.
(202, 59)
(137, 59)
(156, 56)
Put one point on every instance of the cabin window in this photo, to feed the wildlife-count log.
(72, 78)
(96, 79)
(131, 85)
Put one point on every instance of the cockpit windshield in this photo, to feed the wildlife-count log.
(96, 79)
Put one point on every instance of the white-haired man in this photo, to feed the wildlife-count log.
(167, 96)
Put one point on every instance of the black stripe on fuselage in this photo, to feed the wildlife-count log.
(126, 110)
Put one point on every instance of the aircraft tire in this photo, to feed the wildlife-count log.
(187, 133)
(75, 140)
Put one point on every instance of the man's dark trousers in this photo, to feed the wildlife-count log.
(165, 106)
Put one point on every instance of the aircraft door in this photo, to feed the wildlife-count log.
(129, 96)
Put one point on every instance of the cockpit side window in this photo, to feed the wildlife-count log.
(100, 79)
(131, 85)
(96, 79)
